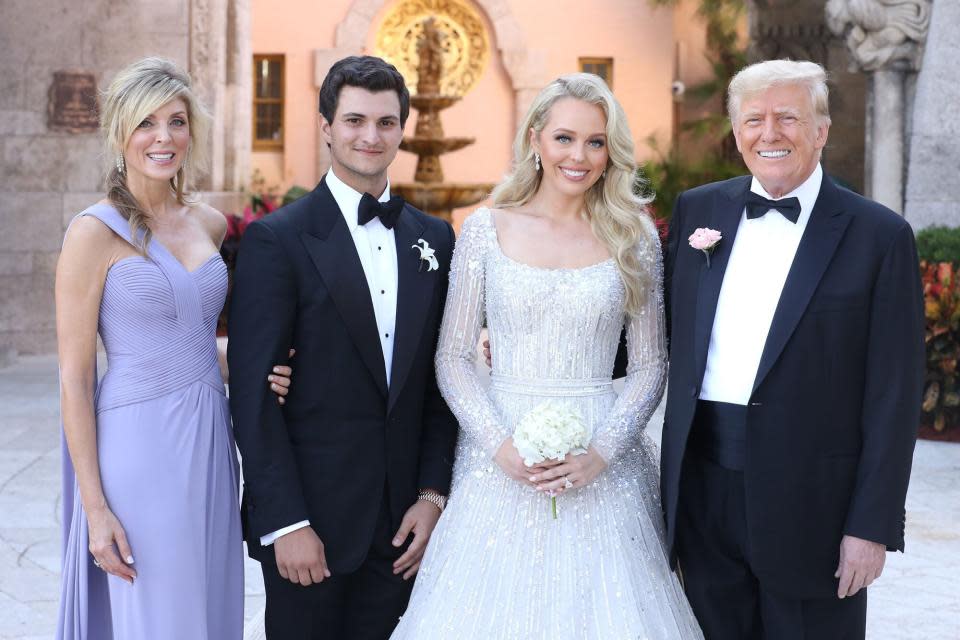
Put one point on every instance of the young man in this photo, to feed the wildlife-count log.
(796, 371)
(344, 484)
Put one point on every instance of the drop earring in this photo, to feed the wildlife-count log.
(121, 166)
(536, 161)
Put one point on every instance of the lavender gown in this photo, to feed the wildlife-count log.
(167, 460)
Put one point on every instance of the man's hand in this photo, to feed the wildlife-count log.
(420, 519)
(300, 557)
(861, 562)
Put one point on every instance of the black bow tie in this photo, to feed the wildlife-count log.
(371, 208)
(758, 206)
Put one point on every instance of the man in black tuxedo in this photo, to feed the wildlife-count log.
(796, 371)
(344, 484)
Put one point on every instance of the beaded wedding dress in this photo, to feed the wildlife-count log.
(498, 564)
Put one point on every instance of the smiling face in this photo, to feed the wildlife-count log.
(158, 146)
(780, 137)
(364, 137)
(572, 146)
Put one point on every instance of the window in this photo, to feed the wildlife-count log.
(602, 67)
(268, 103)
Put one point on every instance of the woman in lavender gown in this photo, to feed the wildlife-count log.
(152, 544)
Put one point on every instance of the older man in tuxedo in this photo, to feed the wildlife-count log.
(796, 371)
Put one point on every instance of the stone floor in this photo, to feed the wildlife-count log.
(917, 597)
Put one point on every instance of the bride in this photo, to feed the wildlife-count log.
(568, 257)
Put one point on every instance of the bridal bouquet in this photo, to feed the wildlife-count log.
(550, 432)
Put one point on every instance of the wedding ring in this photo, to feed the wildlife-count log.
(96, 563)
(567, 484)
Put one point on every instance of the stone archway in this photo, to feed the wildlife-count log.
(525, 67)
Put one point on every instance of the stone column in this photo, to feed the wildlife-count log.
(885, 135)
(208, 34)
(933, 174)
(886, 40)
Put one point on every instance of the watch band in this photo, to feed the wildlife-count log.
(433, 498)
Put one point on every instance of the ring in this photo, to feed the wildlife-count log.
(567, 484)
(96, 563)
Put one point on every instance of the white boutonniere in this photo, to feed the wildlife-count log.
(427, 255)
(705, 240)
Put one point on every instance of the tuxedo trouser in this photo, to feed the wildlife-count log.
(713, 549)
(365, 604)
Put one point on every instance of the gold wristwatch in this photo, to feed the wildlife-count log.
(433, 498)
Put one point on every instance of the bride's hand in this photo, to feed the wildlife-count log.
(512, 464)
(573, 472)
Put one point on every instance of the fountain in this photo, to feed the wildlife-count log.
(429, 192)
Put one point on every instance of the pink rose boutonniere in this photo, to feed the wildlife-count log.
(706, 240)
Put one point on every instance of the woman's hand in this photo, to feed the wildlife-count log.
(280, 380)
(512, 464)
(572, 472)
(107, 537)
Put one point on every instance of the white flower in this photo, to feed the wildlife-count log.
(551, 432)
(426, 254)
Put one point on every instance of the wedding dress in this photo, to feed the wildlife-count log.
(498, 564)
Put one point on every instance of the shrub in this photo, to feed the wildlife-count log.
(941, 291)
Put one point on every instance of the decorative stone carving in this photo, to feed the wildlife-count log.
(465, 48)
(881, 33)
(794, 41)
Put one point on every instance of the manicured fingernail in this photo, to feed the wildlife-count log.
(396, 542)
(129, 559)
(533, 478)
(276, 369)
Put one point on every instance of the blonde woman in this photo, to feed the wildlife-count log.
(152, 545)
(565, 260)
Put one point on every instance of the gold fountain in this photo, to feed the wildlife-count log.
(429, 192)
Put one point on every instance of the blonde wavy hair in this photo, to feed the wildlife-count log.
(615, 211)
(134, 94)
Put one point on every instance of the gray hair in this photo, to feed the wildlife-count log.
(761, 76)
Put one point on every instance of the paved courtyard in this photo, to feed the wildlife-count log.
(917, 597)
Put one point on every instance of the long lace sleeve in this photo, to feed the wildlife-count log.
(459, 332)
(646, 368)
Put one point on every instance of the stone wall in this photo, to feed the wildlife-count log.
(933, 174)
(48, 175)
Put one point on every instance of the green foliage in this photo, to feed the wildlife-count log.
(294, 193)
(669, 175)
(939, 244)
(941, 294)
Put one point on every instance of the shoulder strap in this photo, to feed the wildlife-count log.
(109, 216)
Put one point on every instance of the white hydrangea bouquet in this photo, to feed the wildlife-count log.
(550, 432)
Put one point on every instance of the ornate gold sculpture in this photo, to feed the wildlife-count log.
(465, 49)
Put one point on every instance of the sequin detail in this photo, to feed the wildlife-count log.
(498, 564)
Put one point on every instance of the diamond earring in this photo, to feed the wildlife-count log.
(121, 166)
(536, 161)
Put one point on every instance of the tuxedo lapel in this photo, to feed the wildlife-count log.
(334, 254)
(414, 292)
(819, 242)
(725, 218)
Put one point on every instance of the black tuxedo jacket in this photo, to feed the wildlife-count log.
(833, 417)
(342, 436)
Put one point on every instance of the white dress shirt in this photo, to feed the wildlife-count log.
(762, 253)
(377, 250)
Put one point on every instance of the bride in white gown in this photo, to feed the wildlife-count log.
(568, 259)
